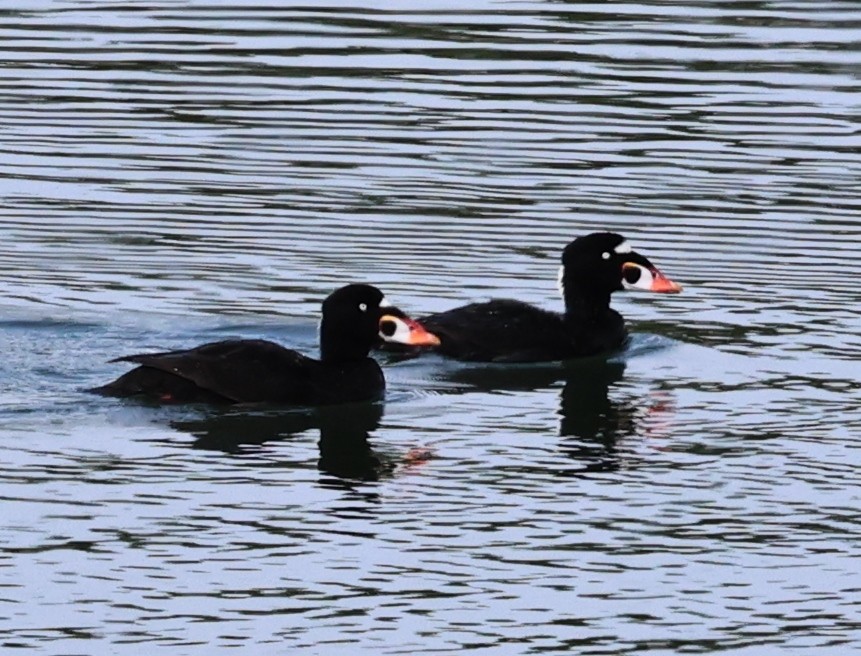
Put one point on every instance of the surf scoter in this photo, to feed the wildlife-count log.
(257, 370)
(593, 267)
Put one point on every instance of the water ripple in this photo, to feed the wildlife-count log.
(177, 173)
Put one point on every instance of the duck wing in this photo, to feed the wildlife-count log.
(500, 331)
(241, 371)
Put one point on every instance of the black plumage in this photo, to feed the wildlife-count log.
(593, 267)
(256, 370)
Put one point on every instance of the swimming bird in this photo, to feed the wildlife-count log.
(501, 330)
(257, 370)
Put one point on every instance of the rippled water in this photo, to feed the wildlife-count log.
(175, 172)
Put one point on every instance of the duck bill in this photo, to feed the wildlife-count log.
(419, 335)
(403, 330)
(663, 285)
(647, 277)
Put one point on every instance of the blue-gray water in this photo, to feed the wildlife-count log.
(176, 172)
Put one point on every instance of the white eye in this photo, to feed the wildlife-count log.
(605, 255)
(363, 307)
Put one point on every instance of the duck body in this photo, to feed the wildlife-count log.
(246, 371)
(355, 318)
(506, 330)
(593, 268)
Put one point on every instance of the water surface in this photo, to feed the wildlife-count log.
(177, 172)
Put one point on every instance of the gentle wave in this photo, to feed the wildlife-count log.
(174, 173)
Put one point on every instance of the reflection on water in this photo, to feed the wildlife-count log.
(175, 173)
(345, 449)
(591, 419)
(599, 419)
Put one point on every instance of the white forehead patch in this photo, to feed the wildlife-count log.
(624, 247)
(385, 302)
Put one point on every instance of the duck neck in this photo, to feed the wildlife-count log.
(337, 345)
(584, 303)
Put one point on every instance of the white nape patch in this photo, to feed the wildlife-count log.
(385, 302)
(623, 248)
(560, 281)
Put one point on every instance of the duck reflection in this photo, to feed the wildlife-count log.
(600, 424)
(345, 449)
(592, 423)
(596, 418)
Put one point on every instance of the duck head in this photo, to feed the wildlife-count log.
(598, 264)
(356, 317)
